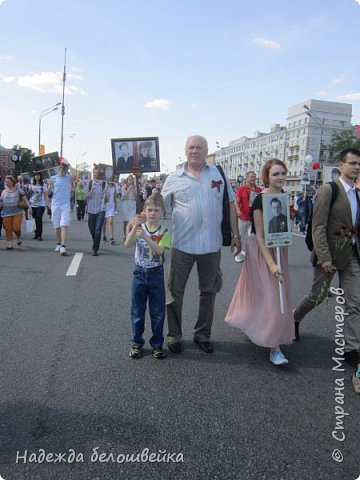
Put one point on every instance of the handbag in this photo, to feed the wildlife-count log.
(225, 224)
(22, 202)
(30, 225)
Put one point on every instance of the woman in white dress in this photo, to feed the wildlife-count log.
(38, 202)
(128, 202)
(109, 214)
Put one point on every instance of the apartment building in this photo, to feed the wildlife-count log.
(309, 129)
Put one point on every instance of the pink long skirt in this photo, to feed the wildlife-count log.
(255, 306)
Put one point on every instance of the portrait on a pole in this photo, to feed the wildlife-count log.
(277, 220)
(135, 154)
(331, 173)
(44, 162)
(105, 172)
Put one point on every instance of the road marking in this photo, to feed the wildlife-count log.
(72, 271)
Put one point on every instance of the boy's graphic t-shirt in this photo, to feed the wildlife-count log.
(144, 256)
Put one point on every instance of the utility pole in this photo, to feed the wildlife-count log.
(63, 108)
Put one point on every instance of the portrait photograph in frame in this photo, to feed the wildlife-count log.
(277, 225)
(135, 154)
(44, 162)
(330, 173)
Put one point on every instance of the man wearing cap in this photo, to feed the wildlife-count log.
(151, 188)
(147, 163)
(60, 187)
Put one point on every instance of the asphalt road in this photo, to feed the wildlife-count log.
(68, 387)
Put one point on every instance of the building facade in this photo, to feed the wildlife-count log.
(6, 165)
(309, 130)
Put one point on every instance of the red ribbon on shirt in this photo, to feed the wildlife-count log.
(216, 184)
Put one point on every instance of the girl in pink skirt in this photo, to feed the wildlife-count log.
(255, 306)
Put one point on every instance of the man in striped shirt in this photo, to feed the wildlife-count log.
(195, 194)
(96, 198)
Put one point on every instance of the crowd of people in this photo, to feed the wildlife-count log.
(38, 194)
(194, 194)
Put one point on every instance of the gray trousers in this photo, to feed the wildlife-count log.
(210, 282)
(350, 283)
(244, 233)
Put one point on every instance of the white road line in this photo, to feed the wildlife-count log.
(72, 271)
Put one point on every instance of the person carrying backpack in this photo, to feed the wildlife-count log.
(335, 236)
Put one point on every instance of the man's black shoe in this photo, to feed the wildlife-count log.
(352, 357)
(175, 347)
(206, 347)
(297, 332)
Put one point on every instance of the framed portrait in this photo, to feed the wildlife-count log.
(331, 173)
(277, 225)
(50, 172)
(139, 154)
(105, 172)
(45, 162)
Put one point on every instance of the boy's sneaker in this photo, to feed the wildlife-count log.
(62, 250)
(159, 353)
(136, 352)
(278, 358)
(57, 248)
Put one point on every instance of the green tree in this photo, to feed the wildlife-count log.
(25, 164)
(342, 140)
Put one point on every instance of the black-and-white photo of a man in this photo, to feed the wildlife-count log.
(278, 224)
(125, 159)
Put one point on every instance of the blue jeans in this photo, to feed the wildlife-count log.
(95, 223)
(302, 221)
(148, 283)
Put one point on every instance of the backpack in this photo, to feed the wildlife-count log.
(308, 238)
(226, 222)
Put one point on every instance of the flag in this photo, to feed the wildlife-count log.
(357, 130)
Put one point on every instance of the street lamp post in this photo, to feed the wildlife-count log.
(42, 114)
(220, 147)
(76, 162)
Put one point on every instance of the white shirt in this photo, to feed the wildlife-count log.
(351, 193)
(37, 198)
(61, 189)
(197, 209)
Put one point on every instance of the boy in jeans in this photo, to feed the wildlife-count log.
(151, 240)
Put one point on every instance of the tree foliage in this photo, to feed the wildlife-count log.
(25, 164)
(342, 140)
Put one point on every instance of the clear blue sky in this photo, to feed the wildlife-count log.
(170, 69)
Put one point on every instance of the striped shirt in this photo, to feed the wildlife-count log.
(10, 202)
(96, 201)
(197, 209)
